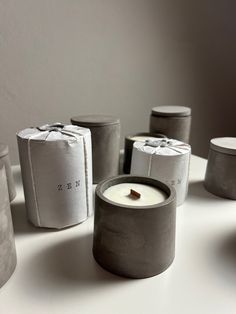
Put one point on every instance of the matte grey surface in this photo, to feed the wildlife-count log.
(220, 178)
(7, 242)
(105, 133)
(129, 148)
(172, 125)
(225, 145)
(4, 157)
(135, 242)
(177, 111)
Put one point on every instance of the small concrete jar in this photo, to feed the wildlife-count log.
(4, 157)
(173, 121)
(137, 240)
(7, 242)
(220, 178)
(129, 142)
(105, 132)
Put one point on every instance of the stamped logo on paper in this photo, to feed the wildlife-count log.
(69, 186)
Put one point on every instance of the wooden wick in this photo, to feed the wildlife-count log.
(134, 194)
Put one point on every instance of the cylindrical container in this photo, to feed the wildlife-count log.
(7, 242)
(134, 226)
(129, 142)
(105, 132)
(166, 160)
(56, 167)
(173, 121)
(220, 178)
(4, 157)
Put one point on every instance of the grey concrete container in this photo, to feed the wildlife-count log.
(7, 242)
(131, 241)
(220, 178)
(105, 132)
(173, 121)
(129, 142)
(4, 158)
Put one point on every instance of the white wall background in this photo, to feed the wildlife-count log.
(60, 58)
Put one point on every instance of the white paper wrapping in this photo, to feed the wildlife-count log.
(166, 160)
(56, 165)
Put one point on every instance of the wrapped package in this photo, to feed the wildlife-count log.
(7, 242)
(56, 165)
(166, 160)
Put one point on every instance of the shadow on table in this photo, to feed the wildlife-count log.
(224, 259)
(68, 265)
(20, 222)
(197, 190)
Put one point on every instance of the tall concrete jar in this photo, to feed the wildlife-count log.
(173, 121)
(7, 242)
(4, 158)
(105, 132)
(220, 178)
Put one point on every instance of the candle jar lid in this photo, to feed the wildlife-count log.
(95, 120)
(3, 149)
(225, 145)
(171, 111)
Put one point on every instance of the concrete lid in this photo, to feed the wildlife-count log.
(3, 149)
(225, 145)
(94, 120)
(169, 111)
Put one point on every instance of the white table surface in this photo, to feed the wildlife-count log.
(56, 272)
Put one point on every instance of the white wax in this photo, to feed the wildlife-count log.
(150, 195)
(142, 138)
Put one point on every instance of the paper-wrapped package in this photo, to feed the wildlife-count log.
(7, 242)
(56, 165)
(166, 160)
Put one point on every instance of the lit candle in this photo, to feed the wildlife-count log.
(124, 193)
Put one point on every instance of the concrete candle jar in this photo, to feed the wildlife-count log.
(4, 158)
(220, 178)
(105, 132)
(7, 242)
(166, 160)
(134, 226)
(129, 142)
(173, 121)
(56, 165)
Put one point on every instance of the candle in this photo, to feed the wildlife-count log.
(166, 160)
(105, 133)
(7, 242)
(4, 158)
(56, 165)
(121, 194)
(129, 142)
(173, 121)
(142, 138)
(134, 226)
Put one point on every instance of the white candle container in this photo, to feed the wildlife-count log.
(56, 165)
(166, 160)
